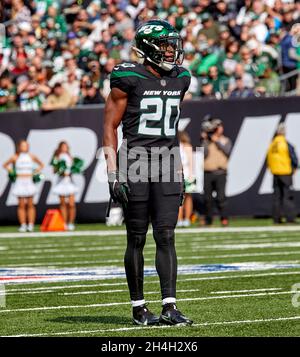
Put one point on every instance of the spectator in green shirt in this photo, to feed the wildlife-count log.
(229, 58)
(205, 60)
(268, 83)
(42, 6)
(218, 81)
(5, 102)
(31, 98)
(60, 25)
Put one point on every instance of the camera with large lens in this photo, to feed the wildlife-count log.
(211, 132)
(210, 125)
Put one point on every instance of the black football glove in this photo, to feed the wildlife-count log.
(182, 193)
(118, 190)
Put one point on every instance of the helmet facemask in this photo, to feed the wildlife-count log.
(166, 52)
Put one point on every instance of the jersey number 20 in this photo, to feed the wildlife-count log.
(163, 110)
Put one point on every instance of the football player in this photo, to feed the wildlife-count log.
(145, 98)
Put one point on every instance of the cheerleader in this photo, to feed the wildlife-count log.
(65, 188)
(186, 153)
(23, 168)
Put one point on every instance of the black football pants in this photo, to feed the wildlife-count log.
(283, 198)
(214, 182)
(158, 202)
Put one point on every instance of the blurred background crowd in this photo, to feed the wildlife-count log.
(56, 54)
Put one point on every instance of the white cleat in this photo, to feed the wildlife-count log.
(30, 227)
(23, 228)
(186, 223)
(71, 227)
(179, 224)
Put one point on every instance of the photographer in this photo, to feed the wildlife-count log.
(217, 148)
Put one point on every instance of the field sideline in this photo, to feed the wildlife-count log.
(232, 282)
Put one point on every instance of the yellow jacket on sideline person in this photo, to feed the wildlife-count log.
(278, 158)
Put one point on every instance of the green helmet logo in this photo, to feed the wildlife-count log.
(159, 43)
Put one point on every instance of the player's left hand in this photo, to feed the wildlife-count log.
(118, 190)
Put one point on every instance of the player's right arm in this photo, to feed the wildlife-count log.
(114, 109)
(113, 113)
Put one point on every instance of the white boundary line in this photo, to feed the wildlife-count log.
(104, 233)
(121, 329)
(62, 307)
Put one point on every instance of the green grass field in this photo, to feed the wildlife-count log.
(237, 282)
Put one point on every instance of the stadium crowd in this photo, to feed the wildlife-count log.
(56, 54)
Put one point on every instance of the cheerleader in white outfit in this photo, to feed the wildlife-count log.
(24, 165)
(65, 188)
(186, 154)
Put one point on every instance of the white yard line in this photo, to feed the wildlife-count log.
(48, 308)
(220, 277)
(103, 233)
(121, 329)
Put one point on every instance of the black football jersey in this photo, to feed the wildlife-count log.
(153, 107)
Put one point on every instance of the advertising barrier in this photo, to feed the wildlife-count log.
(250, 124)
